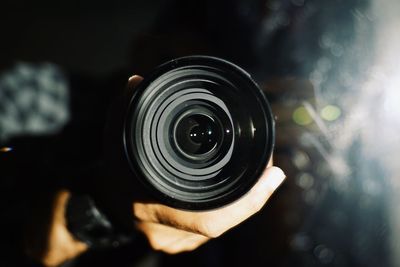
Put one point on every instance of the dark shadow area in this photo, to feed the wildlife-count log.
(333, 208)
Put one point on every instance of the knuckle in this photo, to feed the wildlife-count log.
(139, 211)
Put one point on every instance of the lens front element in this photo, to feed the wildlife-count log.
(198, 132)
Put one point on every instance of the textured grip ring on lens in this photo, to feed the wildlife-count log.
(198, 132)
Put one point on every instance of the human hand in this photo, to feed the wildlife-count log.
(59, 244)
(173, 231)
(167, 229)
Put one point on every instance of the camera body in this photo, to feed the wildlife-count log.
(195, 134)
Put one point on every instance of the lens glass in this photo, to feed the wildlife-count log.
(198, 134)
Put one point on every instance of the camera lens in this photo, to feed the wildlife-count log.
(198, 132)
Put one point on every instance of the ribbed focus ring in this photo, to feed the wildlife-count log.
(198, 132)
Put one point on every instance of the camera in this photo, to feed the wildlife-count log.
(195, 134)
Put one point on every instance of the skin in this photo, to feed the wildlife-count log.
(167, 229)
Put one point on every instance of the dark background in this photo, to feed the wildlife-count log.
(309, 221)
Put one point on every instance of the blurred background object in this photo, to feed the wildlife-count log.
(330, 69)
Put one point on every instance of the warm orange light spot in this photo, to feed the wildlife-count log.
(5, 149)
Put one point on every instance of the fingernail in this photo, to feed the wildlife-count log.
(276, 177)
(132, 77)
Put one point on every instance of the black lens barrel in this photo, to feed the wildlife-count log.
(198, 132)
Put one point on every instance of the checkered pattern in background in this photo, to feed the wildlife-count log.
(33, 100)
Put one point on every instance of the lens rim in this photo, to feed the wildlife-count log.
(232, 71)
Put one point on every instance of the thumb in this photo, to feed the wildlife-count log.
(134, 80)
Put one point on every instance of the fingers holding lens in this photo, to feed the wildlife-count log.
(215, 222)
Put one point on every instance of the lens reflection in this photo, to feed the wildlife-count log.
(198, 134)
